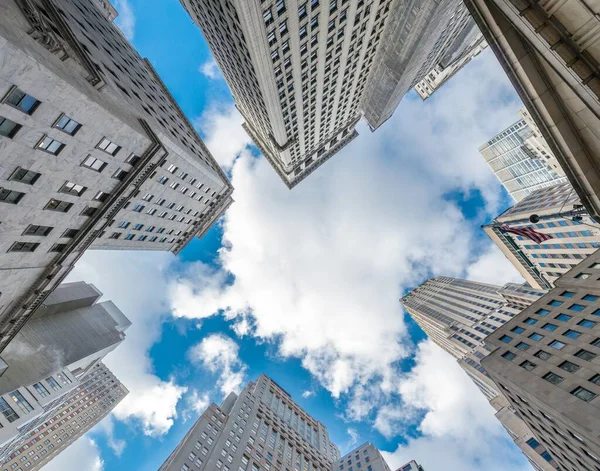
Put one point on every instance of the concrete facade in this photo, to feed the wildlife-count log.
(411, 466)
(90, 140)
(107, 9)
(521, 159)
(262, 428)
(551, 51)
(542, 264)
(64, 422)
(546, 362)
(364, 457)
(457, 315)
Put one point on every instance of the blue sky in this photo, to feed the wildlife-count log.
(304, 285)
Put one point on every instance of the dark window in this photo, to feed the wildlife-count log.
(585, 355)
(528, 365)
(505, 339)
(70, 233)
(583, 394)
(20, 100)
(101, 196)
(518, 330)
(23, 247)
(8, 128)
(533, 443)
(132, 159)
(52, 146)
(57, 205)
(10, 196)
(33, 230)
(543, 355)
(568, 366)
(553, 378)
(595, 379)
(120, 174)
(88, 211)
(23, 175)
(522, 346)
(68, 125)
(58, 248)
(509, 355)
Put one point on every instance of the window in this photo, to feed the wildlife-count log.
(518, 330)
(23, 247)
(23, 175)
(10, 196)
(21, 402)
(72, 189)
(522, 346)
(53, 383)
(108, 146)
(543, 355)
(505, 339)
(576, 307)
(120, 174)
(568, 366)
(101, 196)
(57, 205)
(7, 411)
(132, 159)
(33, 230)
(595, 379)
(52, 146)
(550, 327)
(567, 294)
(586, 323)
(68, 125)
(590, 298)
(93, 163)
(555, 303)
(20, 100)
(8, 128)
(138, 208)
(509, 355)
(572, 334)
(583, 394)
(585, 355)
(533, 443)
(542, 312)
(41, 389)
(553, 378)
(88, 211)
(536, 336)
(528, 365)
(58, 248)
(70, 233)
(556, 344)
(530, 321)
(563, 317)
(129, 237)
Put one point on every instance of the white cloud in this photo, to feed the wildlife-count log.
(221, 127)
(353, 437)
(107, 427)
(220, 354)
(493, 267)
(210, 69)
(196, 403)
(126, 19)
(136, 282)
(307, 394)
(81, 455)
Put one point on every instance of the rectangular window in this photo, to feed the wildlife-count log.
(20, 100)
(583, 394)
(129, 237)
(572, 334)
(58, 248)
(21, 402)
(33, 230)
(138, 227)
(101, 196)
(57, 205)
(52, 146)
(108, 146)
(542, 312)
(585, 355)
(528, 365)
(590, 297)
(568, 366)
(505, 339)
(536, 336)
(576, 307)
(10, 196)
(8, 128)
(550, 327)
(563, 317)
(530, 321)
(23, 175)
(72, 189)
(23, 247)
(70, 233)
(518, 330)
(53, 384)
(556, 344)
(522, 346)
(7, 411)
(68, 125)
(41, 389)
(567, 294)
(586, 323)
(120, 174)
(553, 378)
(138, 208)
(543, 355)
(93, 163)
(132, 159)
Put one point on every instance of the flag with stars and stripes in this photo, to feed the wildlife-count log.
(528, 232)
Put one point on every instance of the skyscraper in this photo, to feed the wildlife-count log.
(552, 58)
(94, 152)
(411, 466)
(299, 70)
(521, 158)
(572, 240)
(63, 422)
(420, 33)
(262, 428)
(53, 355)
(545, 361)
(457, 315)
(107, 8)
(365, 457)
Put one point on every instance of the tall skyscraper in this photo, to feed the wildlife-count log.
(454, 60)
(419, 34)
(107, 8)
(262, 428)
(541, 264)
(94, 152)
(53, 356)
(64, 422)
(457, 315)
(411, 466)
(545, 360)
(299, 70)
(521, 158)
(365, 457)
(552, 58)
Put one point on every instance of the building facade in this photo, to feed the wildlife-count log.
(365, 457)
(458, 315)
(43, 439)
(551, 53)
(452, 62)
(521, 159)
(411, 466)
(95, 152)
(546, 362)
(107, 9)
(419, 35)
(261, 428)
(572, 240)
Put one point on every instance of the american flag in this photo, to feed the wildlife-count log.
(528, 232)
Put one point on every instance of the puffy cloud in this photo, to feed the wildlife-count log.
(197, 403)
(221, 127)
(81, 455)
(220, 354)
(493, 267)
(353, 437)
(126, 19)
(136, 282)
(210, 69)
